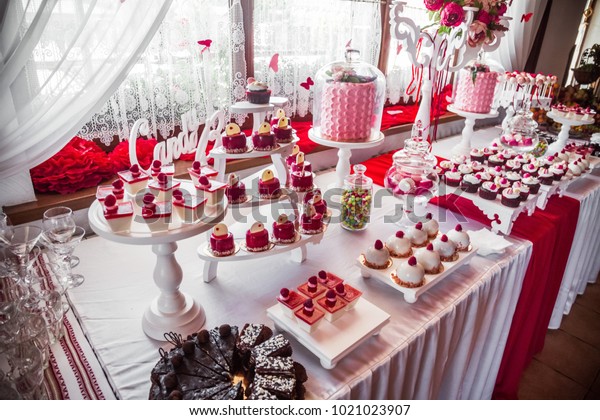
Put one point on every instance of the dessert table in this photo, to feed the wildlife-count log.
(447, 345)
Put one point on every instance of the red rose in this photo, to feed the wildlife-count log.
(484, 17)
(433, 4)
(502, 9)
(452, 15)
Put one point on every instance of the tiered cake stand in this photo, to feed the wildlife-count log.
(172, 310)
(464, 147)
(563, 135)
(342, 168)
(258, 111)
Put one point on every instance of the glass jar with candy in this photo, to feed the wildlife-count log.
(357, 197)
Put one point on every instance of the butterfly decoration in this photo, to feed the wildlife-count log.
(274, 64)
(526, 16)
(348, 43)
(206, 43)
(306, 85)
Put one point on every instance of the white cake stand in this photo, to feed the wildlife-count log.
(563, 135)
(342, 168)
(258, 111)
(172, 310)
(464, 147)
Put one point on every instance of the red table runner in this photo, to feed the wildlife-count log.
(551, 231)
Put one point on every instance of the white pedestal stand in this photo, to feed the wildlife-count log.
(563, 135)
(172, 310)
(464, 147)
(342, 168)
(258, 111)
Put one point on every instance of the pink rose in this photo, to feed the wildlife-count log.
(484, 17)
(502, 9)
(477, 32)
(433, 5)
(452, 15)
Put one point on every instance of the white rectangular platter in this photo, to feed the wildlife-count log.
(330, 342)
(412, 294)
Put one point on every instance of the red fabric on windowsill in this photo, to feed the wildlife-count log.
(551, 231)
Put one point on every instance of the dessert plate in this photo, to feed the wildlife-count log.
(209, 252)
(297, 237)
(411, 294)
(303, 232)
(273, 149)
(248, 198)
(270, 246)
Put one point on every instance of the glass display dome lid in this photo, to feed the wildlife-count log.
(521, 132)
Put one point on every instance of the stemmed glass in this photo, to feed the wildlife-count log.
(21, 241)
(64, 250)
(59, 225)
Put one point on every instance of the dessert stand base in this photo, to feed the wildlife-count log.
(464, 147)
(189, 319)
(330, 342)
(563, 135)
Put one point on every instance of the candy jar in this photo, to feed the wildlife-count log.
(356, 199)
(521, 132)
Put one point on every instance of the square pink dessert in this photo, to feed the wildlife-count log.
(290, 301)
(212, 190)
(328, 280)
(309, 317)
(312, 288)
(103, 191)
(134, 179)
(157, 217)
(162, 187)
(189, 208)
(348, 294)
(117, 215)
(332, 305)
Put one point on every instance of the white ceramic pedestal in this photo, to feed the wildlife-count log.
(563, 135)
(342, 168)
(172, 310)
(464, 147)
(258, 111)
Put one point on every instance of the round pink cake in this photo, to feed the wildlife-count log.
(347, 111)
(475, 97)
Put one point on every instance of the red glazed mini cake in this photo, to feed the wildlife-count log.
(309, 317)
(235, 190)
(189, 208)
(510, 197)
(162, 186)
(283, 131)
(290, 301)
(117, 215)
(301, 180)
(488, 190)
(284, 231)
(292, 157)
(156, 215)
(221, 241)
(300, 163)
(234, 140)
(409, 274)
(212, 190)
(377, 256)
(399, 245)
(349, 294)
(312, 288)
(134, 179)
(263, 140)
(269, 186)
(257, 238)
(197, 170)
(257, 92)
(328, 280)
(332, 305)
(311, 222)
(280, 113)
(429, 259)
(315, 198)
(460, 238)
(446, 248)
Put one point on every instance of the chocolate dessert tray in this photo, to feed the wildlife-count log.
(331, 342)
(412, 294)
(491, 208)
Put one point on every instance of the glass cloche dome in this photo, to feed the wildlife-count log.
(348, 100)
(521, 132)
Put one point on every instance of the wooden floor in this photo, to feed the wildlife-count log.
(568, 368)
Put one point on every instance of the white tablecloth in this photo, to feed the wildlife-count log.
(584, 260)
(447, 345)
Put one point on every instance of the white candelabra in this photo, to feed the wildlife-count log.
(436, 52)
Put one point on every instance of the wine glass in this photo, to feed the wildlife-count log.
(5, 229)
(64, 250)
(59, 225)
(21, 242)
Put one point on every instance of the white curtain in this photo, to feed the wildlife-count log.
(307, 35)
(60, 60)
(174, 75)
(516, 45)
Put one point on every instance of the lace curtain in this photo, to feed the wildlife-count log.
(307, 35)
(59, 62)
(399, 74)
(174, 75)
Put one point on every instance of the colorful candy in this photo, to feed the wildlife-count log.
(356, 208)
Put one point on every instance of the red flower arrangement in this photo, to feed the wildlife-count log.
(80, 164)
(119, 157)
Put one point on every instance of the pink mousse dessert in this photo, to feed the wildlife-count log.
(349, 294)
(118, 215)
(257, 238)
(221, 241)
(188, 207)
(328, 280)
(268, 185)
(234, 140)
(156, 215)
(315, 198)
(283, 131)
(284, 230)
(332, 306)
(134, 179)
(197, 170)
(301, 178)
(117, 189)
(308, 316)
(235, 190)
(263, 139)
(290, 301)
(162, 186)
(212, 190)
(312, 288)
